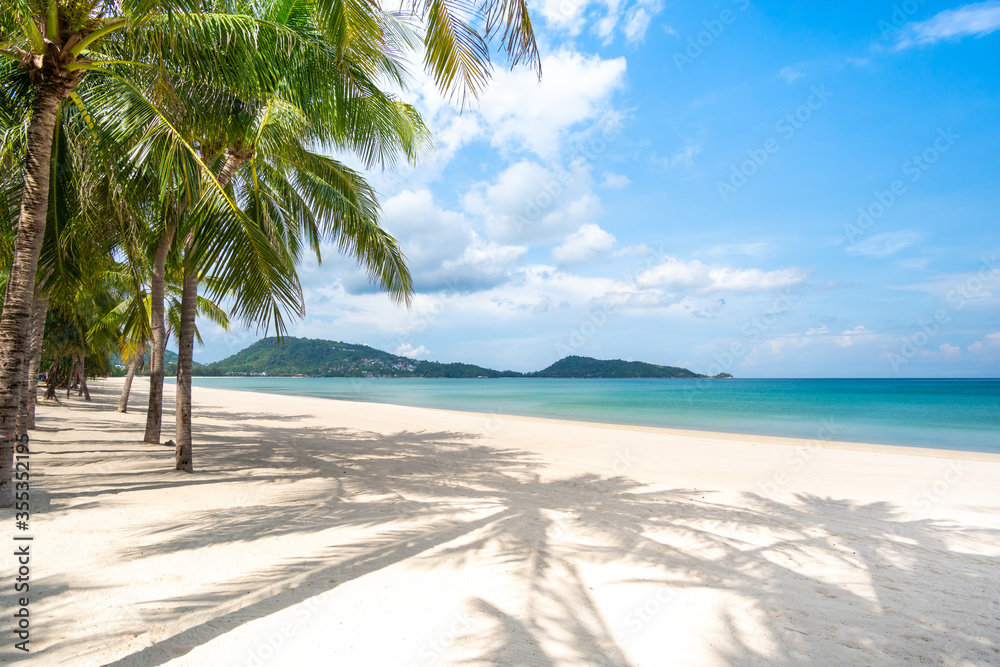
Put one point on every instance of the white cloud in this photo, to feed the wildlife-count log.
(703, 278)
(518, 112)
(530, 203)
(570, 17)
(523, 113)
(636, 25)
(990, 340)
(885, 244)
(684, 157)
(851, 336)
(564, 15)
(583, 245)
(790, 74)
(442, 248)
(976, 19)
(961, 289)
(407, 350)
(950, 351)
(615, 181)
(483, 261)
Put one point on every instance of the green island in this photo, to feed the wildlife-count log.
(307, 357)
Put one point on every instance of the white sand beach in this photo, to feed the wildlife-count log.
(318, 532)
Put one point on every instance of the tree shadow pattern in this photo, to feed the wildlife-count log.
(413, 492)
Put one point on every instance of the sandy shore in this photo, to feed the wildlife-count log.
(319, 532)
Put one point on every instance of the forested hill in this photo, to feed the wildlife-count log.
(326, 358)
(586, 367)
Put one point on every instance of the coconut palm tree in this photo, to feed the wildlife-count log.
(48, 48)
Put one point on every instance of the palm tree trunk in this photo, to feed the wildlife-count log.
(18, 305)
(35, 362)
(185, 363)
(127, 387)
(154, 415)
(185, 340)
(23, 383)
(84, 391)
(72, 374)
(51, 382)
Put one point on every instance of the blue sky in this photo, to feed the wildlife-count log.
(767, 189)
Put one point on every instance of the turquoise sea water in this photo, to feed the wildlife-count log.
(952, 414)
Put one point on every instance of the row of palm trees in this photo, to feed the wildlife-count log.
(163, 148)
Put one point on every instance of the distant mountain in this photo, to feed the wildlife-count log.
(585, 367)
(327, 358)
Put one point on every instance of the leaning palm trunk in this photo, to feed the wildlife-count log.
(25, 382)
(35, 361)
(51, 382)
(71, 377)
(185, 341)
(127, 388)
(154, 415)
(18, 305)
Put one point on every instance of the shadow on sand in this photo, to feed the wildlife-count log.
(604, 520)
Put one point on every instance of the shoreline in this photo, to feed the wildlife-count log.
(311, 527)
(914, 450)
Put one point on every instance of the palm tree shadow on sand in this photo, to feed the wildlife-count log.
(413, 492)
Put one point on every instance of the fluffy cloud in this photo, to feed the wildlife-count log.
(407, 350)
(704, 279)
(482, 262)
(442, 248)
(531, 203)
(583, 245)
(976, 19)
(615, 181)
(851, 336)
(991, 340)
(950, 351)
(570, 17)
(522, 113)
(637, 23)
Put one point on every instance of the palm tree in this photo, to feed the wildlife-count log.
(49, 47)
(127, 327)
(456, 55)
(48, 43)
